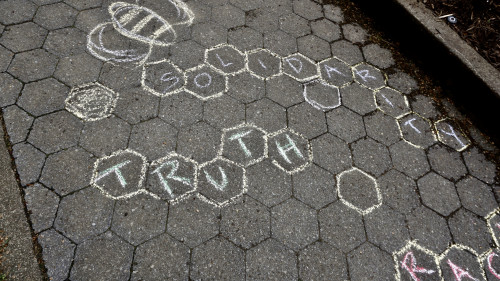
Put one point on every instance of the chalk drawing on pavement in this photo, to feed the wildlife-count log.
(322, 95)
(349, 182)
(245, 144)
(91, 102)
(451, 135)
(416, 262)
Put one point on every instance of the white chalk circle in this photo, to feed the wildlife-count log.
(91, 102)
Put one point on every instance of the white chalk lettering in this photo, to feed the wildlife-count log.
(116, 170)
(219, 186)
(262, 64)
(224, 64)
(388, 101)
(164, 78)
(365, 75)
(409, 263)
(239, 137)
(286, 148)
(207, 83)
(297, 68)
(459, 272)
(174, 164)
(330, 69)
(452, 133)
(410, 122)
(490, 267)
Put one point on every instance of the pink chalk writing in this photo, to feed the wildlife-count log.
(490, 267)
(459, 272)
(409, 263)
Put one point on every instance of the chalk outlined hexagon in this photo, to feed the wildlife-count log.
(325, 71)
(308, 149)
(459, 145)
(211, 192)
(243, 146)
(207, 73)
(485, 261)
(386, 105)
(115, 171)
(351, 205)
(495, 215)
(173, 78)
(273, 72)
(91, 102)
(373, 80)
(407, 249)
(464, 248)
(415, 129)
(297, 69)
(225, 61)
(315, 90)
(168, 190)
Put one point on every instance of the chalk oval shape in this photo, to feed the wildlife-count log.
(142, 24)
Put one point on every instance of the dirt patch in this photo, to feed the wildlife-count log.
(477, 22)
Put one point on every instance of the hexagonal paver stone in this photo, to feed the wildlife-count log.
(266, 114)
(314, 47)
(91, 102)
(345, 124)
(438, 194)
(301, 116)
(354, 33)
(446, 162)
(187, 54)
(429, 229)
(120, 175)
(294, 224)
(29, 162)
(78, 69)
(23, 37)
(42, 205)
(417, 130)
(17, 122)
(209, 34)
(409, 159)
(300, 68)
(333, 13)
(181, 110)
(84, 214)
(284, 90)
(358, 191)
(228, 15)
(398, 191)
(341, 227)
(470, 230)
(172, 177)
(368, 76)
(280, 43)
(153, 138)
(153, 262)
(268, 184)
(224, 112)
(43, 96)
(105, 136)
(402, 82)
(106, 256)
(68, 170)
(392, 102)
(135, 105)
(245, 38)
(387, 229)
(371, 156)
(225, 58)
(121, 78)
(270, 260)
(378, 56)
(16, 11)
(425, 106)
(139, 218)
(10, 89)
(451, 135)
(494, 226)
(358, 98)
(346, 51)
(221, 181)
(331, 153)
(245, 144)
(246, 87)
(369, 260)
(204, 82)
(56, 131)
(218, 259)
(314, 187)
(33, 65)
(193, 221)
(321, 95)
(5, 57)
(45, 16)
(294, 25)
(382, 128)
(263, 63)
(459, 262)
(162, 78)
(83, 5)
(490, 265)
(335, 72)
(262, 20)
(321, 261)
(289, 151)
(415, 262)
(193, 142)
(246, 222)
(58, 254)
(307, 9)
(479, 166)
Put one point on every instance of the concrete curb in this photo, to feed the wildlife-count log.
(448, 37)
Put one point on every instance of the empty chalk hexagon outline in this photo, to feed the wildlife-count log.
(323, 64)
(298, 68)
(231, 199)
(434, 139)
(243, 125)
(403, 99)
(349, 204)
(413, 244)
(309, 158)
(318, 105)
(471, 251)
(255, 51)
(175, 83)
(223, 62)
(489, 218)
(451, 131)
(207, 76)
(365, 76)
(97, 176)
(174, 166)
(91, 102)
